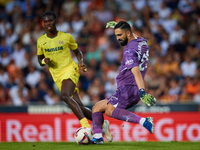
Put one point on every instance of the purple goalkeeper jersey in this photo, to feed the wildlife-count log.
(136, 53)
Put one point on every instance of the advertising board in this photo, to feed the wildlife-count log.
(24, 127)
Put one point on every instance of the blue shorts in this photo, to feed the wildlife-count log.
(125, 97)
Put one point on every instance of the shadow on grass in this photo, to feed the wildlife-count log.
(118, 144)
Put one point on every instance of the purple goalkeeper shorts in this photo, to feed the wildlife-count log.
(125, 97)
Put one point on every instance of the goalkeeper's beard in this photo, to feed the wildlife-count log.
(124, 42)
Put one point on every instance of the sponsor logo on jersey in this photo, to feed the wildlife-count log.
(129, 62)
(54, 49)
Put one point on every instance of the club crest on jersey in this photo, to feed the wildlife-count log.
(61, 42)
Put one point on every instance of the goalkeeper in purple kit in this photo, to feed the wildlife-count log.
(130, 84)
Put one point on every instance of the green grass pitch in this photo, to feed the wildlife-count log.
(105, 146)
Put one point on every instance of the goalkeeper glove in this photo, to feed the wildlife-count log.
(111, 24)
(147, 98)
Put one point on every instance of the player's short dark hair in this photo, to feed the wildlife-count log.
(49, 13)
(123, 25)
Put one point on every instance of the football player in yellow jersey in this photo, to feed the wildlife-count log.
(53, 49)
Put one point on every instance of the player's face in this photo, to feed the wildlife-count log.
(121, 36)
(49, 23)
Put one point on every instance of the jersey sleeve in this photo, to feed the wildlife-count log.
(72, 44)
(39, 48)
(131, 59)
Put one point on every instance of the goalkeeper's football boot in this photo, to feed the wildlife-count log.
(97, 141)
(148, 124)
(107, 132)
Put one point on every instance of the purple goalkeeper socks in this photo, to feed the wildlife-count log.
(97, 122)
(125, 115)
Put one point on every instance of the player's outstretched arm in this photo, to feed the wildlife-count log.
(146, 98)
(42, 60)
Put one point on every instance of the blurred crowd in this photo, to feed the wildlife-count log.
(172, 28)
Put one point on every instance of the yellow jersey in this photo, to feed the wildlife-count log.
(58, 50)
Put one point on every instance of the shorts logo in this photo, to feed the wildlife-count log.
(61, 42)
(113, 97)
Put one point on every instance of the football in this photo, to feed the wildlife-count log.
(83, 136)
